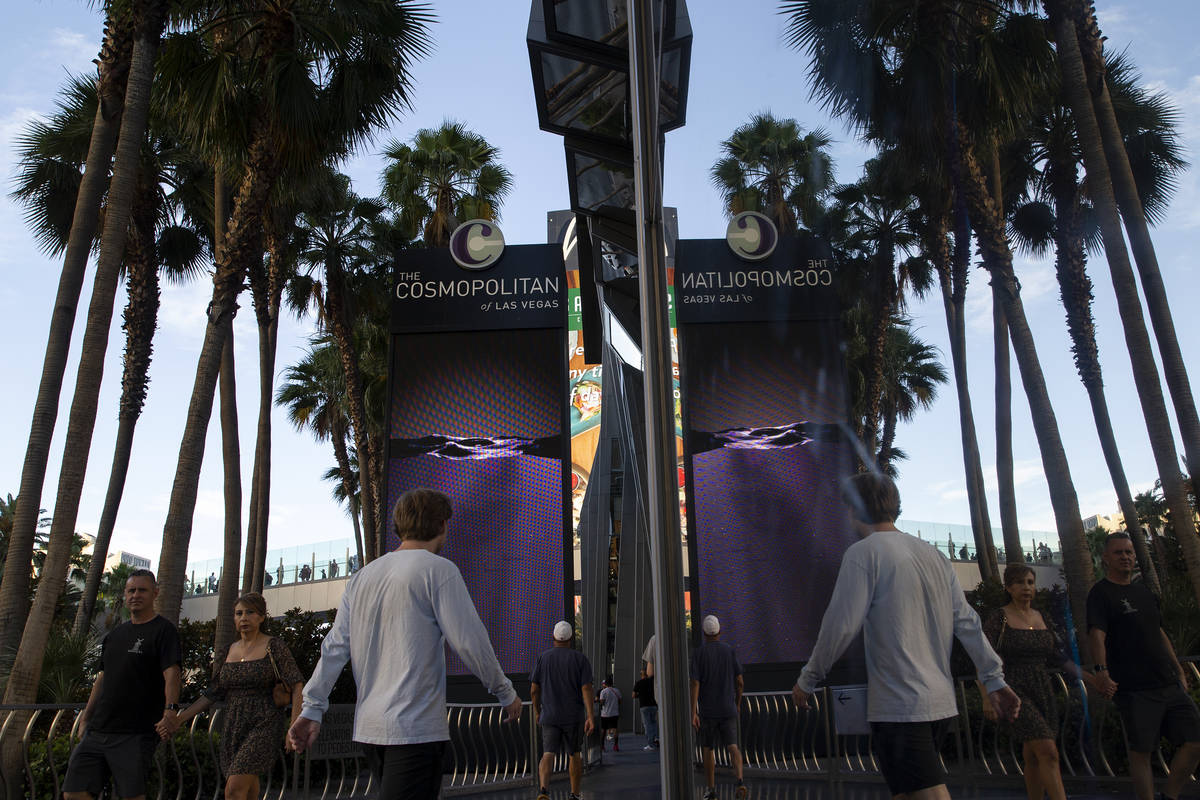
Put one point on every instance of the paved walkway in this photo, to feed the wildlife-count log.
(633, 774)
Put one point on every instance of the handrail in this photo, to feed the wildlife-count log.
(485, 752)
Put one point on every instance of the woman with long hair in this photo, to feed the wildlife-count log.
(245, 675)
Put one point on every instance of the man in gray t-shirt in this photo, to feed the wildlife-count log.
(716, 696)
(561, 690)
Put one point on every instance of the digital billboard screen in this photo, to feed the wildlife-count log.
(766, 444)
(480, 416)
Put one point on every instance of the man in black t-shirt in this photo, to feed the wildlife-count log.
(563, 701)
(643, 690)
(137, 687)
(716, 696)
(1137, 667)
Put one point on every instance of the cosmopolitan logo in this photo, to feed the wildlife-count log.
(751, 236)
(476, 244)
(409, 286)
(817, 274)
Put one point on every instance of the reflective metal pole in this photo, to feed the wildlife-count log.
(662, 490)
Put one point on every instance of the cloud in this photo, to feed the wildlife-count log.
(74, 50)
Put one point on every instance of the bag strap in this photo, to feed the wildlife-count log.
(274, 666)
(999, 639)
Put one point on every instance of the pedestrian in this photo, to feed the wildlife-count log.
(716, 697)
(322, 574)
(643, 690)
(333, 568)
(267, 579)
(1136, 665)
(610, 713)
(305, 572)
(648, 655)
(563, 706)
(904, 596)
(395, 618)
(212, 582)
(137, 688)
(1029, 647)
(279, 573)
(245, 674)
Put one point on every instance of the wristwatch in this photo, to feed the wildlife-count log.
(174, 706)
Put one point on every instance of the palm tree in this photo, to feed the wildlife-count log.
(772, 166)
(114, 64)
(912, 372)
(1137, 338)
(447, 175)
(313, 391)
(880, 226)
(352, 77)
(160, 238)
(1061, 215)
(1112, 164)
(23, 681)
(338, 232)
(887, 65)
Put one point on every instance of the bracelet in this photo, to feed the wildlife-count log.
(1098, 668)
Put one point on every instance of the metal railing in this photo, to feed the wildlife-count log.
(486, 753)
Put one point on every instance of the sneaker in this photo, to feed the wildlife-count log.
(573, 796)
(710, 794)
(742, 792)
(648, 747)
(543, 794)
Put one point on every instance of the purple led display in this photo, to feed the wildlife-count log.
(479, 416)
(764, 406)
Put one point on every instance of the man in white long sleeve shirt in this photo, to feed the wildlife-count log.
(905, 597)
(394, 617)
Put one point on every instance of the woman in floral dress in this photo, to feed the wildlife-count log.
(1030, 649)
(244, 675)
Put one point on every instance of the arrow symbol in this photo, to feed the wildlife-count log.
(844, 698)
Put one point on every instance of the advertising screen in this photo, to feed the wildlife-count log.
(766, 445)
(480, 416)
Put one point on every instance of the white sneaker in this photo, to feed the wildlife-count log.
(648, 747)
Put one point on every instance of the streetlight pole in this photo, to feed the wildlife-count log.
(662, 483)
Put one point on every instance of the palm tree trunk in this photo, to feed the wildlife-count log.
(1137, 338)
(262, 449)
(26, 670)
(1076, 289)
(338, 436)
(1091, 48)
(887, 439)
(881, 318)
(1004, 445)
(114, 65)
(952, 274)
(227, 590)
(241, 244)
(340, 327)
(141, 320)
(989, 225)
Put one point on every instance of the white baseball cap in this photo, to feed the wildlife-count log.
(711, 625)
(563, 631)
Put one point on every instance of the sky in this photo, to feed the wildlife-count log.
(479, 74)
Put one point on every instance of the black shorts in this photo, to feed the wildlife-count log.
(407, 771)
(718, 731)
(909, 753)
(126, 757)
(562, 739)
(608, 722)
(1150, 714)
